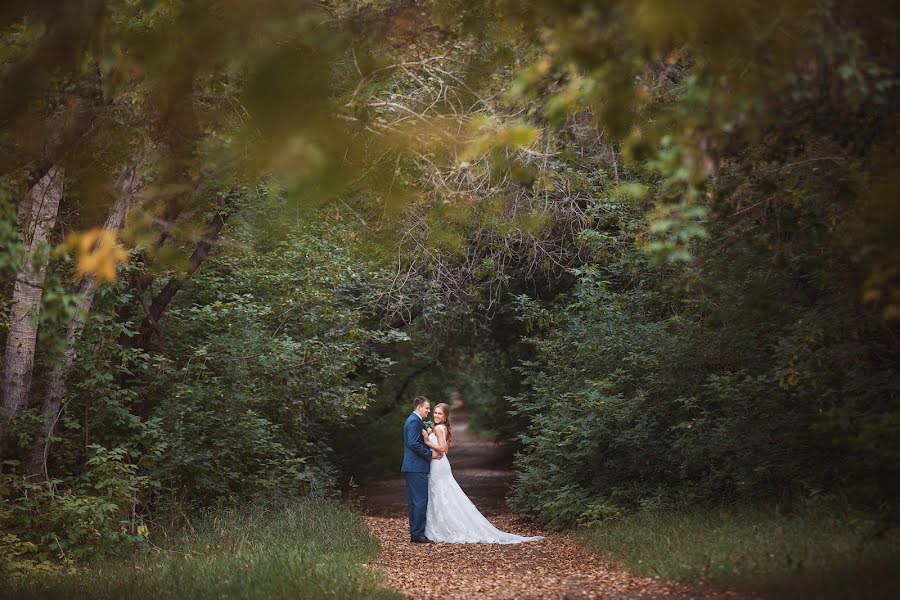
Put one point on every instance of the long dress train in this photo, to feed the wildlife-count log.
(451, 516)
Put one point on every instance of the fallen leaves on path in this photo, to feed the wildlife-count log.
(555, 567)
(552, 568)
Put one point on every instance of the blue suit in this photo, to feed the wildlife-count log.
(416, 466)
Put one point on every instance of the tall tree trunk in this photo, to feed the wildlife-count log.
(27, 292)
(128, 185)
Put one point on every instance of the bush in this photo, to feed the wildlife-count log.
(632, 401)
(82, 517)
(264, 358)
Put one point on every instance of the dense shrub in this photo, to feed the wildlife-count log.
(260, 366)
(634, 399)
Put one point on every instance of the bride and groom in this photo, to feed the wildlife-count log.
(439, 511)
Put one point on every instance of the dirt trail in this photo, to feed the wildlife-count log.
(552, 568)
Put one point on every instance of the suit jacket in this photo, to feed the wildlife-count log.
(416, 455)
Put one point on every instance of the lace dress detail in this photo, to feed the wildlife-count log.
(451, 516)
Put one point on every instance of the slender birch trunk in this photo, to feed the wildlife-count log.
(26, 300)
(55, 394)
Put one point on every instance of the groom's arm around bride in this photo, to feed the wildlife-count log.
(414, 442)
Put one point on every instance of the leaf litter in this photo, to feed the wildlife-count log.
(555, 567)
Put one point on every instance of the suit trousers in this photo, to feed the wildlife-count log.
(417, 500)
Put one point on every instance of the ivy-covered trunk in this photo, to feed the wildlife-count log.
(39, 220)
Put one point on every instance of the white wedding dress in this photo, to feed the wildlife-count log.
(451, 516)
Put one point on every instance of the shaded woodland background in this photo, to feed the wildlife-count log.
(655, 249)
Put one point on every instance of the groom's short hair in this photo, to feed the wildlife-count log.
(419, 401)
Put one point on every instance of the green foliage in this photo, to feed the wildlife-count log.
(259, 374)
(11, 256)
(308, 549)
(819, 551)
(263, 355)
(86, 516)
(730, 331)
(662, 257)
(634, 399)
(485, 379)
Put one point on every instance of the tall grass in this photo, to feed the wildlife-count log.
(311, 549)
(816, 553)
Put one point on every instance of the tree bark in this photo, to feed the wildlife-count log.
(128, 185)
(27, 292)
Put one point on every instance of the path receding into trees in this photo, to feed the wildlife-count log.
(555, 567)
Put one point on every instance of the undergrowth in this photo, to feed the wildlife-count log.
(813, 553)
(308, 549)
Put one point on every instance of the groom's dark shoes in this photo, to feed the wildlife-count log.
(421, 540)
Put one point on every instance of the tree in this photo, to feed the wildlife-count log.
(42, 206)
(129, 185)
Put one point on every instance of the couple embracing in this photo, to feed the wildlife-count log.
(439, 511)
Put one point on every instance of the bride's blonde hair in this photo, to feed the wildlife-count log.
(446, 408)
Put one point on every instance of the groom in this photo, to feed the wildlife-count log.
(416, 465)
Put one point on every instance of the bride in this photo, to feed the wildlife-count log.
(451, 516)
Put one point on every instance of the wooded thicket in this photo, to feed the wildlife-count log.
(656, 249)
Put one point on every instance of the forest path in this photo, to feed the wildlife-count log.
(555, 567)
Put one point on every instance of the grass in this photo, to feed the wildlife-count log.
(311, 549)
(816, 553)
